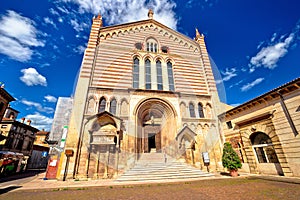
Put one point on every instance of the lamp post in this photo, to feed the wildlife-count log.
(69, 153)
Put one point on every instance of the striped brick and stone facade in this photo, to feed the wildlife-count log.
(142, 86)
(265, 131)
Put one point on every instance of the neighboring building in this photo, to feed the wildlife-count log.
(265, 131)
(61, 118)
(5, 98)
(18, 139)
(142, 87)
(58, 133)
(9, 113)
(40, 153)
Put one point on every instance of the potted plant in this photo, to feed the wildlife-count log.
(230, 159)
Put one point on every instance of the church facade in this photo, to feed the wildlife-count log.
(142, 88)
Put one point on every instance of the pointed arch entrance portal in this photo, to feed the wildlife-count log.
(156, 125)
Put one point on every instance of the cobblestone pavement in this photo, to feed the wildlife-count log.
(220, 187)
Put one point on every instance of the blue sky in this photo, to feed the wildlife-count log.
(253, 44)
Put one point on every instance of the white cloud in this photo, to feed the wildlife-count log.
(248, 86)
(47, 20)
(16, 50)
(50, 98)
(21, 28)
(40, 121)
(236, 84)
(78, 26)
(32, 77)
(38, 106)
(227, 75)
(80, 49)
(64, 10)
(53, 12)
(19, 33)
(277, 47)
(202, 3)
(116, 12)
(270, 55)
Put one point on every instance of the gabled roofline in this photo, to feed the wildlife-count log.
(13, 109)
(128, 24)
(103, 113)
(14, 121)
(276, 92)
(6, 95)
(182, 130)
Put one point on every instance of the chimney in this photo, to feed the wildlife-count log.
(22, 120)
(28, 122)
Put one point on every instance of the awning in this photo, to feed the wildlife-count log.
(11, 154)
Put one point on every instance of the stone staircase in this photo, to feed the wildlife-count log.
(152, 167)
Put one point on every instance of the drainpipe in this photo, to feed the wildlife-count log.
(287, 114)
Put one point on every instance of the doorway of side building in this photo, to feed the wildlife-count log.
(266, 156)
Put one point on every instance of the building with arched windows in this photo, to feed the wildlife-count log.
(143, 87)
(265, 131)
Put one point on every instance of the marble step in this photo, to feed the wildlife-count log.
(151, 167)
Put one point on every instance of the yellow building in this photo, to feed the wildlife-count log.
(5, 98)
(39, 157)
(143, 87)
(17, 141)
(265, 131)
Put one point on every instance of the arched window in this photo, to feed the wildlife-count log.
(170, 76)
(102, 104)
(183, 110)
(208, 111)
(91, 106)
(135, 73)
(200, 110)
(263, 148)
(148, 74)
(159, 75)
(192, 110)
(113, 106)
(152, 45)
(124, 108)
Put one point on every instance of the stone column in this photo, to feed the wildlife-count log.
(105, 175)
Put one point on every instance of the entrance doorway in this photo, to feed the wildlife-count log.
(155, 126)
(152, 138)
(151, 142)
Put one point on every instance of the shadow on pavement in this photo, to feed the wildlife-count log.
(26, 174)
(225, 174)
(7, 189)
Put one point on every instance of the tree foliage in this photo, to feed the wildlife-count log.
(230, 159)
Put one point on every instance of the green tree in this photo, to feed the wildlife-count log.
(230, 159)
